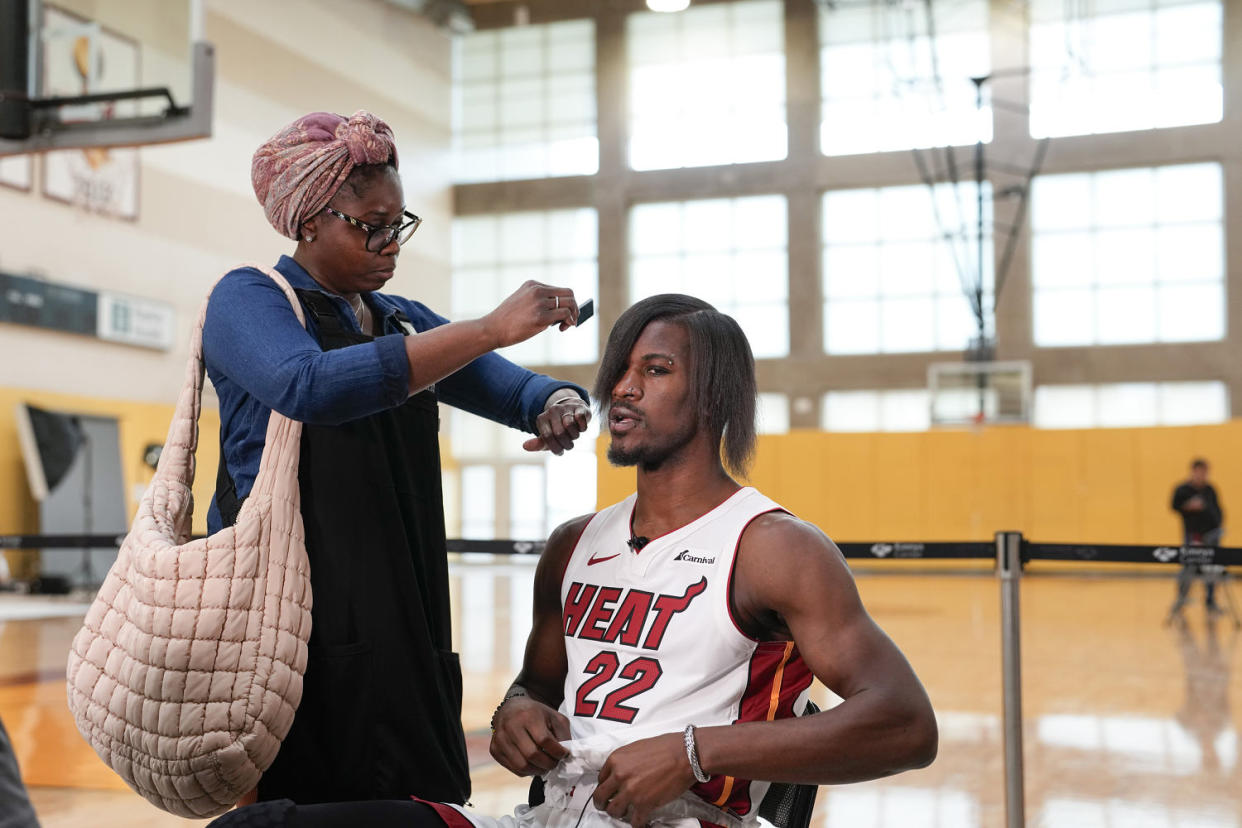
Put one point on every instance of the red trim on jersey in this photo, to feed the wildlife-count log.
(568, 558)
(733, 569)
(452, 817)
(777, 676)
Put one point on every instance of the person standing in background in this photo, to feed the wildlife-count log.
(1202, 525)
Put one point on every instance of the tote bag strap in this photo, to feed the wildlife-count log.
(177, 458)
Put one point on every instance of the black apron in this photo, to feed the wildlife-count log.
(380, 716)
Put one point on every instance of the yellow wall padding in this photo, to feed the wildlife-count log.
(1082, 486)
(139, 424)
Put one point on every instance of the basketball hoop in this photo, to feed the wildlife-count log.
(977, 393)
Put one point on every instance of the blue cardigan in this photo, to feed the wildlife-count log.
(259, 358)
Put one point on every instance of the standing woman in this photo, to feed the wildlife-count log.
(380, 715)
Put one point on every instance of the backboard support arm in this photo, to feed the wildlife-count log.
(177, 123)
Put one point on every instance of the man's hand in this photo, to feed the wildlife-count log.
(528, 736)
(1194, 504)
(642, 776)
(565, 416)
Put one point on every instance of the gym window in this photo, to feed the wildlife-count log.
(1130, 65)
(707, 85)
(773, 413)
(1122, 404)
(730, 252)
(887, 85)
(494, 254)
(506, 491)
(898, 265)
(904, 409)
(524, 102)
(1129, 256)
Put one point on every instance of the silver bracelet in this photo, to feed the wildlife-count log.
(561, 394)
(692, 753)
(514, 692)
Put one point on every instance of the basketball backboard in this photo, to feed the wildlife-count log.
(78, 74)
(974, 393)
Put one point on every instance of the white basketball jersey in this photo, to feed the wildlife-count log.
(652, 645)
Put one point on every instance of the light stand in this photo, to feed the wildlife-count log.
(85, 570)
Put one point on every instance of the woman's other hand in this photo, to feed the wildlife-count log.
(530, 309)
(565, 417)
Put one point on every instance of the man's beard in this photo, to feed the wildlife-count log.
(651, 456)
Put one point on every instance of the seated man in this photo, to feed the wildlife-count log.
(677, 632)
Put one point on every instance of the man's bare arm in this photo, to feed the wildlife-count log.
(527, 728)
(791, 573)
(792, 579)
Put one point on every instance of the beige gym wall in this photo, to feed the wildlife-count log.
(275, 60)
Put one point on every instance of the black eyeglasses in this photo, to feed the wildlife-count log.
(380, 237)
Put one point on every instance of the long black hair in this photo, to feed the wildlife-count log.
(722, 369)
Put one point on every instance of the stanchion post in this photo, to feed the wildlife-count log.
(1009, 572)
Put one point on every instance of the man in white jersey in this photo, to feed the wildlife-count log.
(676, 633)
(699, 602)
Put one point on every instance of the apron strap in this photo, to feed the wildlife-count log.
(328, 320)
(227, 500)
(324, 312)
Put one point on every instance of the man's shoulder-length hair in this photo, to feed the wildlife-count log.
(722, 368)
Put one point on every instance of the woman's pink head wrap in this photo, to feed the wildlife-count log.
(299, 169)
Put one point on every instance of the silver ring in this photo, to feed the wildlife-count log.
(557, 301)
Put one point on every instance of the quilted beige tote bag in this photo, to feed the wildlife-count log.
(188, 669)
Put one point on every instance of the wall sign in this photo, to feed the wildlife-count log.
(110, 316)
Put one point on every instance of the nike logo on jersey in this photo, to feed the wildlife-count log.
(595, 560)
(684, 555)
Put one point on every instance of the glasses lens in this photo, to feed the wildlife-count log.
(379, 239)
(407, 231)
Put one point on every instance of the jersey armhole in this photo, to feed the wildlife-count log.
(560, 581)
(729, 605)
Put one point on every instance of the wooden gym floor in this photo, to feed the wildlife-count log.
(1129, 722)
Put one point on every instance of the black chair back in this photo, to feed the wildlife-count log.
(788, 804)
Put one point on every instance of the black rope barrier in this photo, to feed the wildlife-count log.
(866, 550)
(905, 550)
(70, 542)
(61, 541)
(496, 547)
(1122, 553)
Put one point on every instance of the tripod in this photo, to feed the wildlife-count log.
(1227, 599)
(86, 571)
(1219, 577)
